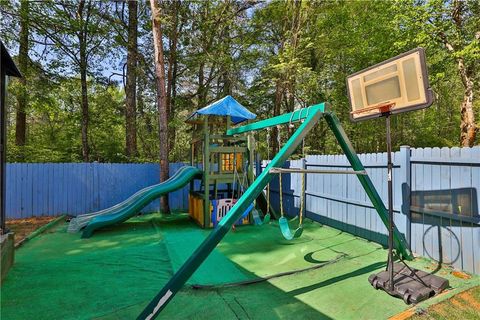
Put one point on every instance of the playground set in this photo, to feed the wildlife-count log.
(227, 161)
(223, 159)
(226, 187)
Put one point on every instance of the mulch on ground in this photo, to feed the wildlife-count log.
(463, 306)
(23, 227)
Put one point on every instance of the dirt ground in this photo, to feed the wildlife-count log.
(23, 227)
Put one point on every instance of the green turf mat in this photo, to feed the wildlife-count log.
(340, 290)
(263, 250)
(59, 276)
(216, 269)
(114, 274)
(261, 301)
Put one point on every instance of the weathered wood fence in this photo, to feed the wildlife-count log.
(435, 196)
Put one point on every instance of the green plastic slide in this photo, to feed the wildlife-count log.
(139, 200)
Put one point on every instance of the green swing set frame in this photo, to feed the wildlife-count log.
(310, 116)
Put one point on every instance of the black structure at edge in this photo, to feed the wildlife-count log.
(7, 68)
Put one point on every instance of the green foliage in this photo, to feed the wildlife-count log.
(246, 49)
(54, 124)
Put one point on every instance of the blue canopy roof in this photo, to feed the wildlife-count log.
(228, 106)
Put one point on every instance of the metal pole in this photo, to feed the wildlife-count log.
(314, 171)
(390, 202)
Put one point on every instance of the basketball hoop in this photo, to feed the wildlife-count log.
(399, 84)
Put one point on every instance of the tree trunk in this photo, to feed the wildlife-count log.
(172, 46)
(294, 40)
(227, 83)
(202, 91)
(146, 147)
(141, 104)
(468, 128)
(131, 85)
(174, 94)
(21, 119)
(226, 65)
(172, 68)
(161, 98)
(82, 40)
(85, 116)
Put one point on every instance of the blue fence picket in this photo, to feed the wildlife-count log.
(432, 175)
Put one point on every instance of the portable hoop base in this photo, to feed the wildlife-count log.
(411, 285)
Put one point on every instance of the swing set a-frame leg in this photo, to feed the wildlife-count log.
(400, 242)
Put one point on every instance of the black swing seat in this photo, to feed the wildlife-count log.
(407, 284)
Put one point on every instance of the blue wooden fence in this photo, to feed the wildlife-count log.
(436, 196)
(36, 189)
(435, 192)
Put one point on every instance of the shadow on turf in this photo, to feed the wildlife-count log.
(260, 301)
(146, 221)
(365, 270)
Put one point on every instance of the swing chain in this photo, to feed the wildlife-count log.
(302, 200)
(302, 194)
(268, 157)
(290, 122)
(280, 193)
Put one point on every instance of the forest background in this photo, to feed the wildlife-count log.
(91, 89)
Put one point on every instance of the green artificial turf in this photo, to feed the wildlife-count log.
(114, 274)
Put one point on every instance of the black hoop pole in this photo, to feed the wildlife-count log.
(390, 201)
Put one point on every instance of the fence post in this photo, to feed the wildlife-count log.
(405, 179)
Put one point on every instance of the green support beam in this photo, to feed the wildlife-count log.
(206, 174)
(291, 117)
(400, 242)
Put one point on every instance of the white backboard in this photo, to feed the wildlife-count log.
(396, 85)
